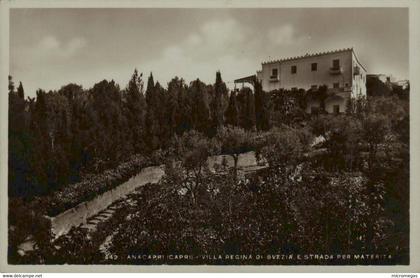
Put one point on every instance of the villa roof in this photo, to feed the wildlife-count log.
(307, 55)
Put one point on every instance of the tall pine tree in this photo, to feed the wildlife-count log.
(200, 107)
(246, 103)
(136, 110)
(232, 113)
(217, 111)
(262, 108)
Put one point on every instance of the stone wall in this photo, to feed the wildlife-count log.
(78, 215)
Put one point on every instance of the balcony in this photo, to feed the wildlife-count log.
(274, 78)
(336, 70)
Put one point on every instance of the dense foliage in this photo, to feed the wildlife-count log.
(330, 184)
(297, 205)
(60, 137)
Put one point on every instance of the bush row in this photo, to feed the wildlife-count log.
(74, 194)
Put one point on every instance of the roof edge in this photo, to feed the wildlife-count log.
(312, 55)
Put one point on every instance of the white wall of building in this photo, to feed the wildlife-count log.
(305, 77)
(265, 74)
(359, 80)
(351, 81)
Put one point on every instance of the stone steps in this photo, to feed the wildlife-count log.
(92, 223)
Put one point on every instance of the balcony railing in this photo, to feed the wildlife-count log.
(336, 70)
(274, 78)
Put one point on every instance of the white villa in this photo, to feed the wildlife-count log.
(339, 70)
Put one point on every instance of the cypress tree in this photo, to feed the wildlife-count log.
(173, 109)
(20, 91)
(249, 123)
(262, 108)
(18, 143)
(200, 108)
(232, 117)
(150, 89)
(216, 105)
(136, 106)
(151, 117)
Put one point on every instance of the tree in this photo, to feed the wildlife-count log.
(136, 108)
(200, 107)
(20, 91)
(322, 95)
(217, 111)
(192, 150)
(164, 132)
(376, 88)
(288, 107)
(18, 144)
(106, 111)
(39, 137)
(40, 113)
(173, 109)
(375, 128)
(246, 105)
(152, 117)
(149, 90)
(184, 122)
(232, 113)
(262, 108)
(71, 91)
(283, 150)
(17, 107)
(392, 108)
(234, 141)
(343, 143)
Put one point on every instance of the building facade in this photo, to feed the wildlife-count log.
(339, 70)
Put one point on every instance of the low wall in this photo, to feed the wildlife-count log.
(73, 217)
(78, 215)
(244, 160)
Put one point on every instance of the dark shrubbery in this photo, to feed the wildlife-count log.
(90, 188)
(349, 194)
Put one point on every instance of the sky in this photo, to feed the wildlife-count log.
(50, 48)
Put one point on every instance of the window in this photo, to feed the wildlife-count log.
(336, 85)
(314, 66)
(294, 69)
(336, 109)
(347, 84)
(336, 63)
(274, 72)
